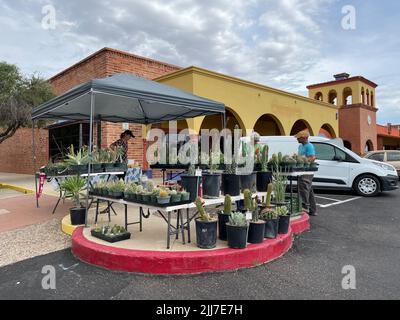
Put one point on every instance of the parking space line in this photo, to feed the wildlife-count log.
(339, 202)
(326, 198)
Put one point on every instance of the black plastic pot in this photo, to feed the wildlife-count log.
(256, 232)
(206, 234)
(191, 184)
(237, 236)
(263, 179)
(271, 228)
(284, 222)
(231, 184)
(248, 181)
(79, 168)
(77, 216)
(223, 219)
(211, 185)
(108, 167)
(97, 167)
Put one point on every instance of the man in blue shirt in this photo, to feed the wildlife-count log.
(306, 149)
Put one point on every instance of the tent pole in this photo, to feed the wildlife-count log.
(34, 161)
(92, 101)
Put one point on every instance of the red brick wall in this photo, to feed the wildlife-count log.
(16, 152)
(354, 127)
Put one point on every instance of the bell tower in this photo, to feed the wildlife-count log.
(355, 99)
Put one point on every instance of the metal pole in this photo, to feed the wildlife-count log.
(34, 161)
(92, 103)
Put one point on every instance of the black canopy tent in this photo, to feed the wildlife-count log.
(124, 98)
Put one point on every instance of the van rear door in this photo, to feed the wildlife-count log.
(334, 170)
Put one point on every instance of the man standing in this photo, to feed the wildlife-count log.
(306, 192)
(123, 142)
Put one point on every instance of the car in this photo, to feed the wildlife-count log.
(388, 156)
(339, 167)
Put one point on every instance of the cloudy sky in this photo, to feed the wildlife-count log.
(286, 44)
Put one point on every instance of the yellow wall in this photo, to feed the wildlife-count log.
(249, 101)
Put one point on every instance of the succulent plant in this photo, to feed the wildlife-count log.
(163, 194)
(282, 211)
(238, 219)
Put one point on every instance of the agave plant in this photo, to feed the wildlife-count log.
(81, 157)
(74, 187)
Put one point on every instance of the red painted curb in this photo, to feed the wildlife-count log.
(187, 262)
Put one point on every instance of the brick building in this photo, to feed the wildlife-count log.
(17, 151)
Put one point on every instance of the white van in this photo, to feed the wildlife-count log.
(339, 167)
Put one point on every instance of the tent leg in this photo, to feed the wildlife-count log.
(34, 162)
(92, 101)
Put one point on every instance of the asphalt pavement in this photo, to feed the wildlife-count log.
(362, 233)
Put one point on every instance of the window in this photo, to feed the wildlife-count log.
(324, 151)
(377, 156)
(393, 156)
(330, 153)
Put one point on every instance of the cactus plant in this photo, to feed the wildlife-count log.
(228, 204)
(204, 216)
(263, 159)
(269, 195)
(248, 203)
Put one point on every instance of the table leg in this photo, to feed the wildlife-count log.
(141, 219)
(169, 229)
(97, 211)
(126, 217)
(188, 223)
(58, 201)
(291, 196)
(178, 213)
(182, 226)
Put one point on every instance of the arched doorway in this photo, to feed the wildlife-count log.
(215, 121)
(347, 144)
(301, 125)
(369, 146)
(269, 125)
(327, 131)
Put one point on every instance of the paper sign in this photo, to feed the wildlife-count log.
(249, 215)
(198, 172)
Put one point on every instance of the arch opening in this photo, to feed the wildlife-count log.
(301, 125)
(333, 97)
(269, 125)
(327, 131)
(347, 96)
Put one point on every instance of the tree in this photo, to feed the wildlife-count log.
(18, 96)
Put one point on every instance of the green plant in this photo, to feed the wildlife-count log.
(192, 170)
(263, 158)
(118, 186)
(81, 157)
(282, 211)
(204, 216)
(74, 187)
(279, 186)
(269, 195)
(150, 186)
(139, 189)
(214, 161)
(228, 204)
(238, 219)
(131, 188)
(269, 214)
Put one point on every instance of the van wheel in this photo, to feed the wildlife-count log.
(367, 185)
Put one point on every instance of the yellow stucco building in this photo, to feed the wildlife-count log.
(254, 106)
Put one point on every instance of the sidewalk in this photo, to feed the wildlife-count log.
(25, 181)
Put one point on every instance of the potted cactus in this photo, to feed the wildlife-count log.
(139, 193)
(130, 191)
(114, 234)
(175, 196)
(211, 181)
(206, 228)
(223, 217)
(116, 189)
(284, 219)
(256, 226)
(271, 218)
(279, 187)
(164, 197)
(237, 231)
(78, 162)
(185, 195)
(154, 195)
(74, 187)
(190, 182)
(264, 177)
